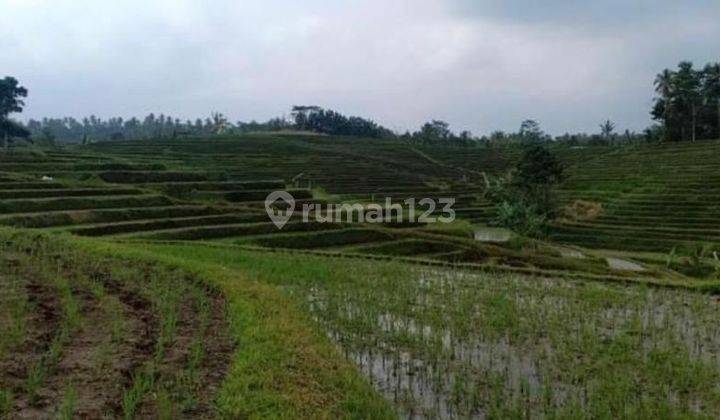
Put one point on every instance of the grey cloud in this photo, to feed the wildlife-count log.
(481, 65)
(607, 13)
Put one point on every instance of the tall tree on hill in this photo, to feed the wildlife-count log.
(711, 92)
(537, 173)
(662, 110)
(531, 133)
(434, 131)
(11, 100)
(687, 82)
(301, 114)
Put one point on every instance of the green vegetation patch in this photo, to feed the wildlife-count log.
(139, 177)
(159, 224)
(74, 203)
(324, 239)
(248, 229)
(62, 218)
(407, 247)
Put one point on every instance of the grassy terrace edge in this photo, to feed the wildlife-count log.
(284, 366)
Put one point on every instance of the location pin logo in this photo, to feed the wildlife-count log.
(280, 206)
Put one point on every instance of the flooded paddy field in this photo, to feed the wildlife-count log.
(458, 344)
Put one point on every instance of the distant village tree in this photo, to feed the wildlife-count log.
(607, 130)
(530, 132)
(301, 115)
(434, 131)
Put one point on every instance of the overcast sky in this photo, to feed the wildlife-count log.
(481, 65)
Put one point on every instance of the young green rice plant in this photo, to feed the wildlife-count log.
(171, 293)
(40, 371)
(70, 322)
(201, 304)
(167, 301)
(166, 406)
(13, 312)
(69, 402)
(163, 302)
(165, 297)
(117, 322)
(102, 357)
(142, 384)
(182, 390)
(6, 403)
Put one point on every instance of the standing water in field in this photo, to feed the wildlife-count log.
(454, 344)
(571, 253)
(488, 234)
(620, 264)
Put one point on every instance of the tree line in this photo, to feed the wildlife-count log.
(152, 126)
(303, 117)
(687, 107)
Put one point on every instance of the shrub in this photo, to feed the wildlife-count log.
(523, 218)
(524, 198)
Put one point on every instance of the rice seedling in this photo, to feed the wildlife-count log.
(546, 344)
(67, 407)
(6, 403)
(142, 384)
(13, 312)
(69, 323)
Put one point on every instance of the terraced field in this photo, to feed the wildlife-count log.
(214, 190)
(654, 221)
(653, 197)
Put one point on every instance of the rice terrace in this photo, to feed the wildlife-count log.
(148, 271)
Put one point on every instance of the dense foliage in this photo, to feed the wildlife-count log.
(524, 198)
(164, 126)
(688, 102)
(317, 119)
(152, 126)
(11, 100)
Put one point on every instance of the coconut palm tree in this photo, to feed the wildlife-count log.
(664, 83)
(663, 105)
